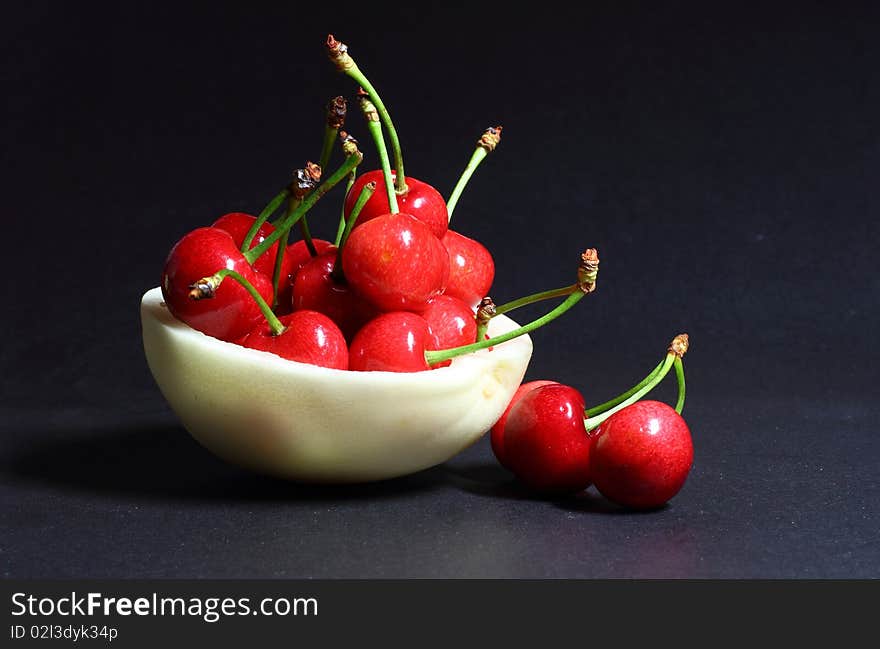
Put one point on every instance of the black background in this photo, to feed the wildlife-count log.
(724, 161)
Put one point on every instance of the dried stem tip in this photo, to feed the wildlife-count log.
(490, 138)
(338, 53)
(679, 345)
(349, 144)
(336, 111)
(485, 311)
(588, 270)
(368, 108)
(305, 180)
(205, 288)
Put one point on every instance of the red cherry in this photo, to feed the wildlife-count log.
(315, 288)
(308, 337)
(421, 201)
(393, 342)
(471, 268)
(641, 455)
(396, 263)
(451, 320)
(545, 441)
(299, 254)
(238, 224)
(496, 434)
(232, 312)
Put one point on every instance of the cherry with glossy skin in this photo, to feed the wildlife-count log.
(395, 262)
(315, 288)
(232, 312)
(392, 342)
(471, 268)
(299, 254)
(546, 444)
(308, 337)
(238, 224)
(496, 433)
(641, 455)
(451, 320)
(421, 201)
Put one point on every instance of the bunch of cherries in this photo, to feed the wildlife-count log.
(397, 290)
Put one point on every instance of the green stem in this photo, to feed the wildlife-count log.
(602, 407)
(341, 228)
(304, 182)
(340, 56)
(274, 323)
(307, 236)
(289, 221)
(434, 357)
(375, 129)
(357, 75)
(374, 126)
(679, 375)
(282, 250)
(479, 155)
(330, 134)
(268, 211)
(485, 145)
(363, 197)
(536, 297)
(593, 422)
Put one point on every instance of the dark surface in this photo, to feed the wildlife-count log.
(725, 165)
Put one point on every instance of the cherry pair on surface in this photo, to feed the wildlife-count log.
(637, 453)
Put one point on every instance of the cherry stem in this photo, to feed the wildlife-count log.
(362, 199)
(338, 53)
(352, 161)
(374, 126)
(365, 195)
(593, 422)
(486, 144)
(535, 297)
(341, 228)
(434, 357)
(337, 108)
(268, 211)
(336, 111)
(282, 248)
(587, 272)
(217, 278)
(306, 235)
(304, 182)
(679, 375)
(330, 134)
(602, 407)
(677, 349)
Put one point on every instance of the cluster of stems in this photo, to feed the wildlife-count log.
(341, 58)
(302, 194)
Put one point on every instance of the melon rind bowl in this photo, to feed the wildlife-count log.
(318, 425)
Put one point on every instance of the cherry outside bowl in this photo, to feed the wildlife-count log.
(314, 424)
